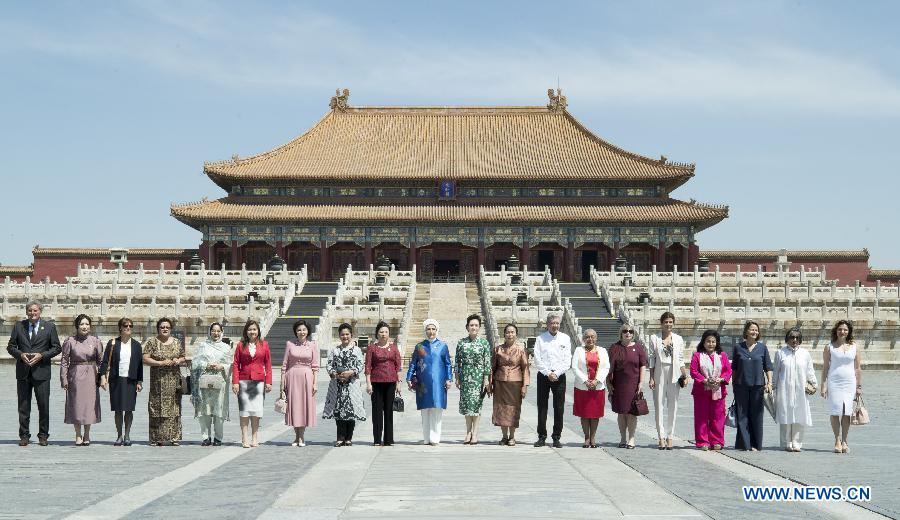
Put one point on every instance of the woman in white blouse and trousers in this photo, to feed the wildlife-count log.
(793, 370)
(666, 360)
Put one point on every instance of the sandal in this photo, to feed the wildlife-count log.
(511, 442)
(586, 445)
(846, 449)
(669, 444)
(662, 445)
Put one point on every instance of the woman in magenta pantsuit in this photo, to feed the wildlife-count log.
(711, 372)
(298, 381)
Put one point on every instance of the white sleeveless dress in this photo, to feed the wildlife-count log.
(841, 381)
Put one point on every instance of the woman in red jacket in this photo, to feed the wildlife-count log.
(251, 379)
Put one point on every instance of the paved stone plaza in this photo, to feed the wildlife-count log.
(449, 481)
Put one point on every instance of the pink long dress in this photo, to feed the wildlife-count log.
(300, 366)
(78, 370)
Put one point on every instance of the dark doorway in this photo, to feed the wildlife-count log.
(498, 264)
(588, 259)
(545, 259)
(446, 267)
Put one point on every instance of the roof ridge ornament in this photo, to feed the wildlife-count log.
(339, 100)
(558, 101)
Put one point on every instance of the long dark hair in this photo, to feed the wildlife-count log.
(849, 331)
(244, 338)
(706, 334)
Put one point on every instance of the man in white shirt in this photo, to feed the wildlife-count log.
(552, 358)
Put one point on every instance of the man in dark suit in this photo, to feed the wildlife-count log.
(32, 344)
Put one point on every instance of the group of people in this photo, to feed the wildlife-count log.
(616, 374)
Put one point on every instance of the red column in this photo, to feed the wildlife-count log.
(324, 271)
(615, 255)
(570, 262)
(367, 256)
(661, 256)
(693, 254)
(279, 249)
(235, 255)
(205, 255)
(685, 260)
(526, 255)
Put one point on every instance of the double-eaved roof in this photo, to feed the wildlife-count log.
(487, 146)
(447, 143)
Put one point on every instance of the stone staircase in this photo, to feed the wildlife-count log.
(591, 311)
(421, 309)
(307, 305)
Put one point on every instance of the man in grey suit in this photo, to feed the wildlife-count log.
(32, 344)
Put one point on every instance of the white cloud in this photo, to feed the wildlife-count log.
(307, 50)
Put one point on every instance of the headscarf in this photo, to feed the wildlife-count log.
(431, 321)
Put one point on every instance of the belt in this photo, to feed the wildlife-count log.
(83, 363)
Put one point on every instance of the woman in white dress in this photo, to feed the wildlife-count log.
(667, 375)
(793, 372)
(841, 382)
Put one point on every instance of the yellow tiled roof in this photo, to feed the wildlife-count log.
(884, 273)
(667, 210)
(454, 143)
(792, 254)
(16, 270)
(99, 251)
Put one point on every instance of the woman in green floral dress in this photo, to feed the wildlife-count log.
(473, 373)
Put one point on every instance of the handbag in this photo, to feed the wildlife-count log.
(639, 405)
(811, 388)
(185, 386)
(281, 404)
(398, 405)
(211, 382)
(110, 346)
(769, 403)
(730, 419)
(682, 381)
(860, 413)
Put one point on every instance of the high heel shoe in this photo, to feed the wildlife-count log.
(845, 448)
(119, 441)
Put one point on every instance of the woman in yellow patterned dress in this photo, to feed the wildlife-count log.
(163, 354)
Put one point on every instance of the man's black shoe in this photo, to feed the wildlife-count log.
(540, 442)
(556, 443)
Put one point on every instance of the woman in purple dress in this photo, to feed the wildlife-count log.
(298, 381)
(81, 354)
(627, 360)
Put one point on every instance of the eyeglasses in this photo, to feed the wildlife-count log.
(126, 326)
(627, 331)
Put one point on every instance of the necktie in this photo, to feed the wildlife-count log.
(31, 331)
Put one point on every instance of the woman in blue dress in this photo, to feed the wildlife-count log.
(430, 374)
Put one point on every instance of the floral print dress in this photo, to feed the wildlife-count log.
(473, 364)
(344, 401)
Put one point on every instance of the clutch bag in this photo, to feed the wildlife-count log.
(211, 382)
(811, 388)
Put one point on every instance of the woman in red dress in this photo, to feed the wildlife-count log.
(590, 365)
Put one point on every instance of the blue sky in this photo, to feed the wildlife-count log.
(789, 109)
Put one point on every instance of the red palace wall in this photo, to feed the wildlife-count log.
(59, 267)
(845, 272)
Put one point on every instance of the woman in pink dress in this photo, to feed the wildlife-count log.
(298, 381)
(81, 355)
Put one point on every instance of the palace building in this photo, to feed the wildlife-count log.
(449, 189)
